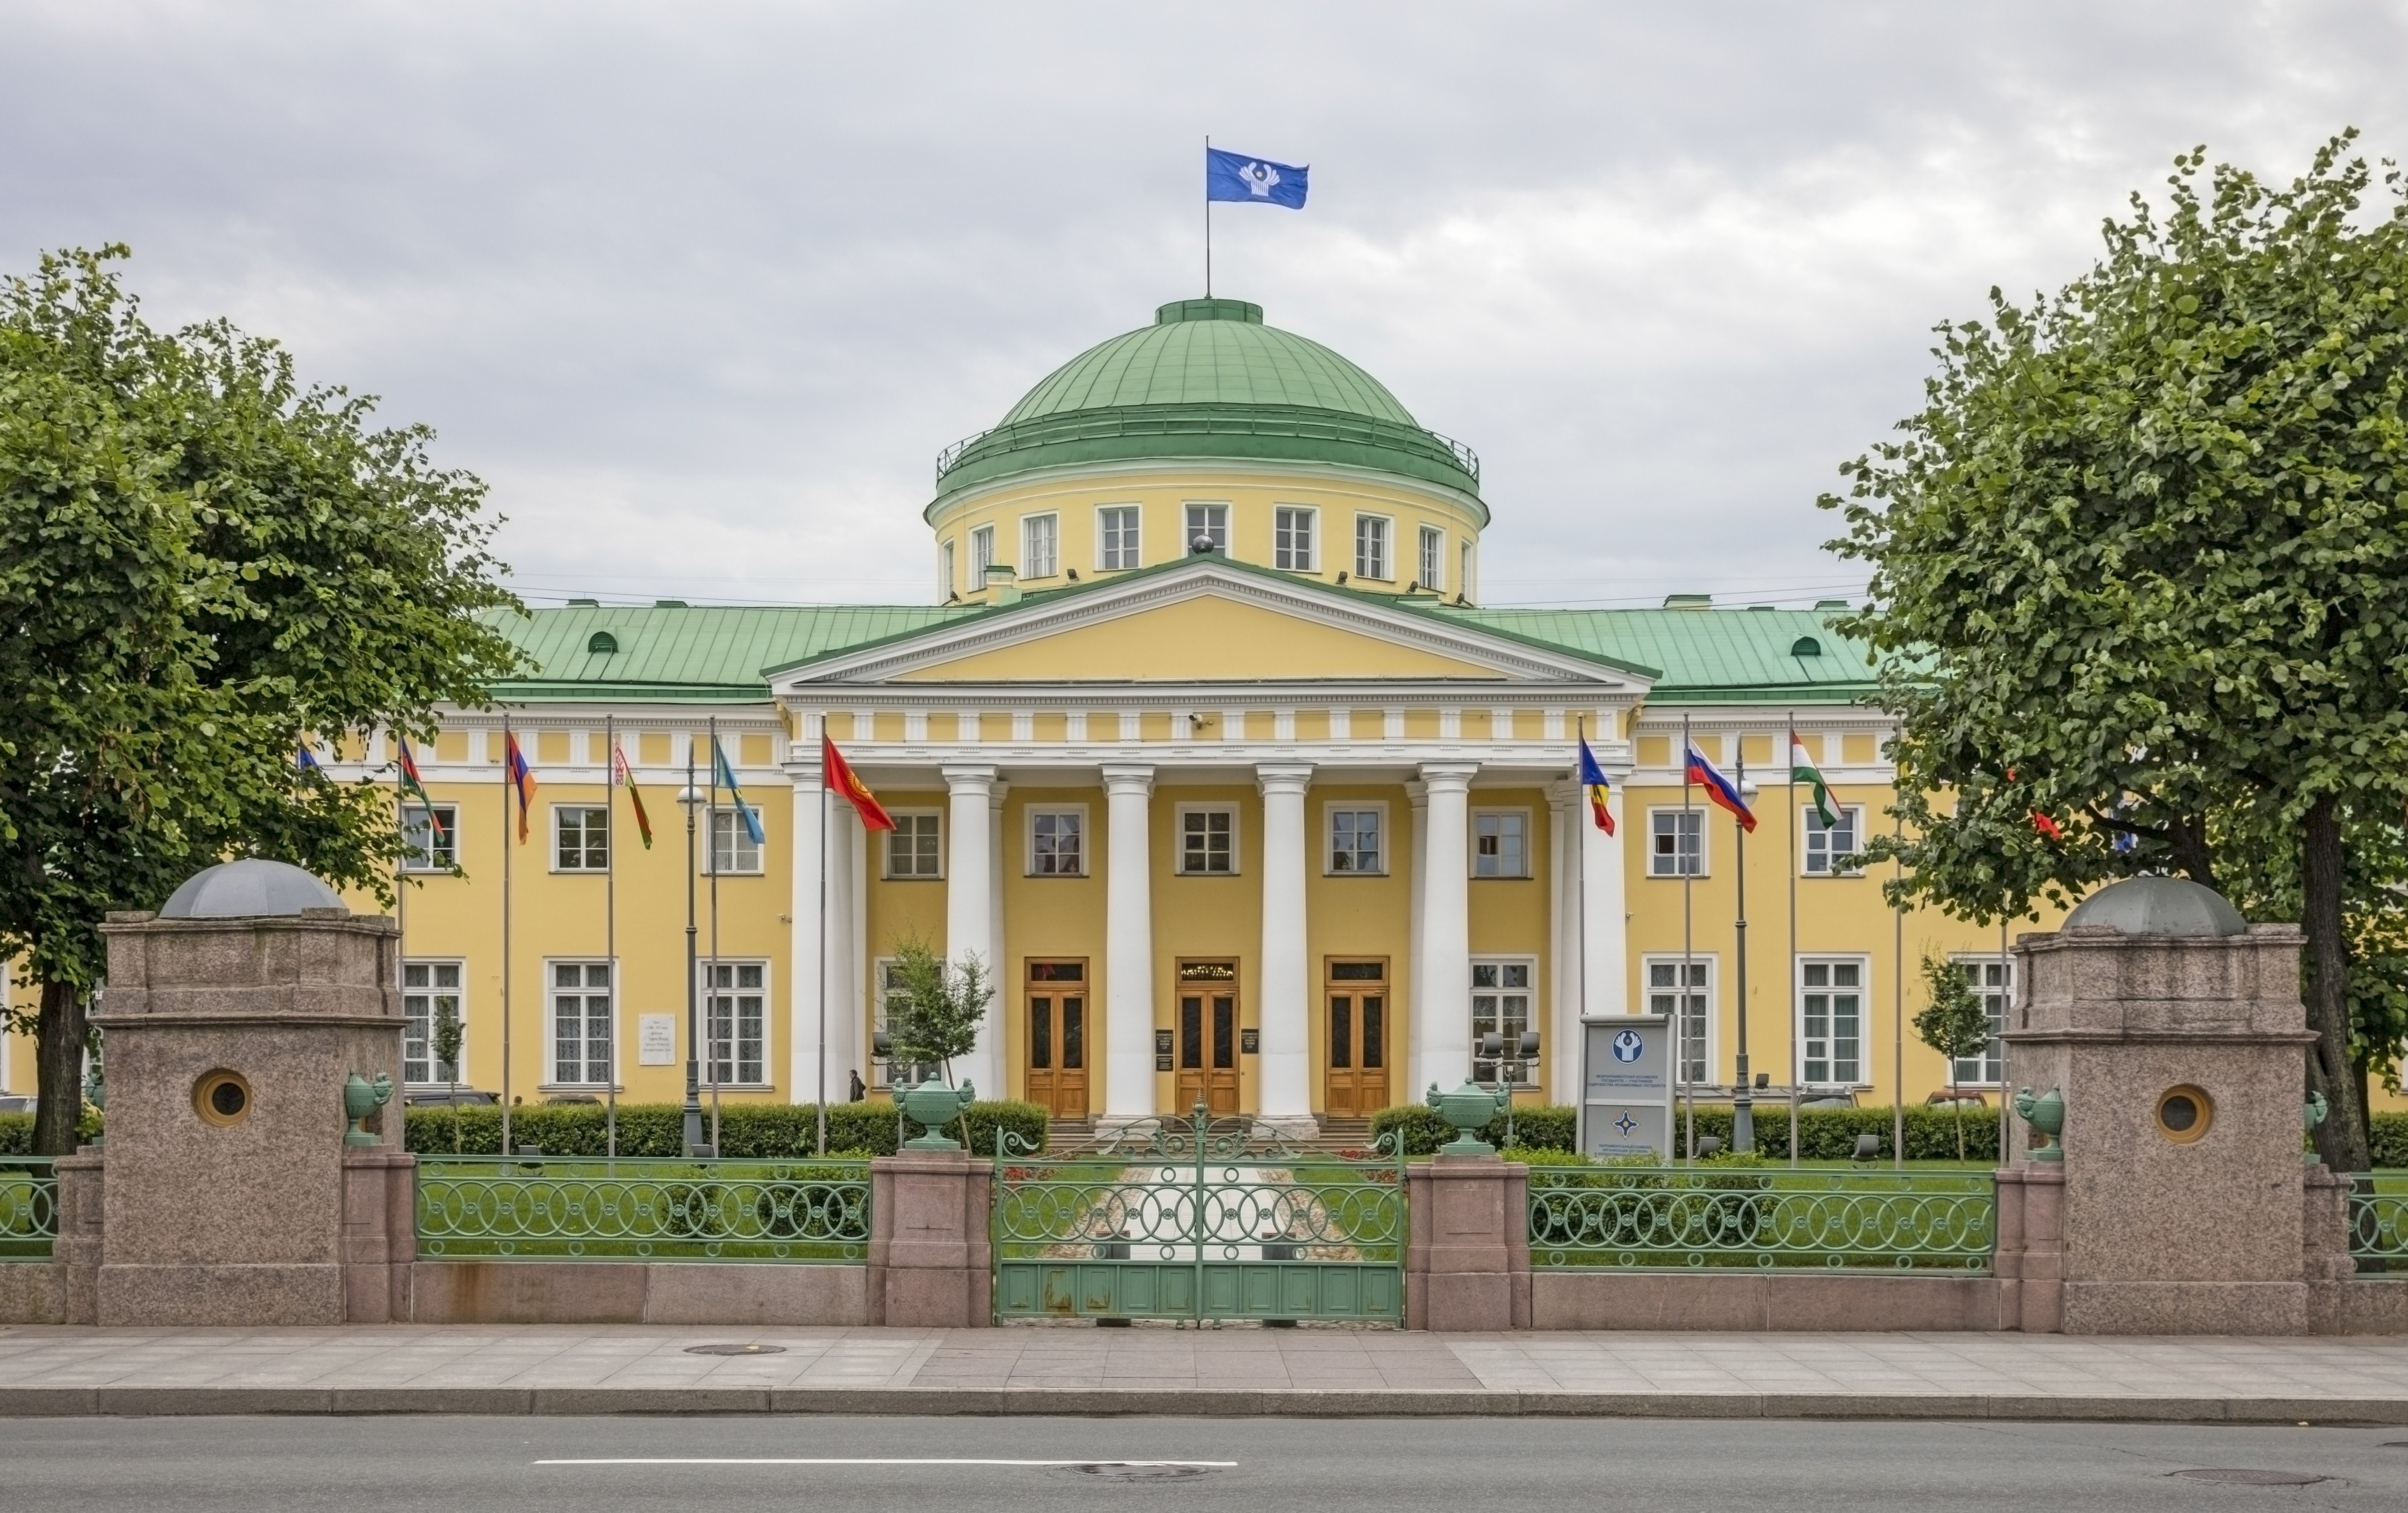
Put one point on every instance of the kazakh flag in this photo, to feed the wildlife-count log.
(1802, 770)
(727, 781)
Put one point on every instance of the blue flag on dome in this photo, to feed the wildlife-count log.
(1234, 176)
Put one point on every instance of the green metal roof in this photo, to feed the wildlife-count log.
(1707, 656)
(1209, 353)
(704, 653)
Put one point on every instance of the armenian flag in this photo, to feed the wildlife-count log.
(627, 779)
(727, 781)
(410, 782)
(849, 785)
(1720, 790)
(518, 774)
(1592, 778)
(1802, 770)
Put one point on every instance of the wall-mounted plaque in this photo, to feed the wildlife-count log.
(1250, 1042)
(1162, 1044)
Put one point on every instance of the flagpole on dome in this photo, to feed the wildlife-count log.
(1207, 215)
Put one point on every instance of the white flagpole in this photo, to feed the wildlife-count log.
(611, 931)
(508, 845)
(825, 820)
(1794, 859)
(1683, 858)
(711, 1001)
(1898, 1010)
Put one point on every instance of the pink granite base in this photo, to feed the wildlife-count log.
(1757, 1302)
(31, 1292)
(635, 1293)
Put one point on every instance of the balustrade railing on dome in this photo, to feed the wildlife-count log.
(814, 1209)
(2378, 1223)
(29, 1207)
(1681, 1217)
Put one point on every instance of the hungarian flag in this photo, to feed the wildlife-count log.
(847, 783)
(1592, 778)
(1802, 770)
(410, 782)
(627, 779)
(1720, 790)
(518, 774)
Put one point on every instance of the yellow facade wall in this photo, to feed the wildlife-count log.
(1352, 914)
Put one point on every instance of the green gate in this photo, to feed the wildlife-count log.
(1200, 1218)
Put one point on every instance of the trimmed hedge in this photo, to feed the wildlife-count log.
(1823, 1133)
(1548, 1127)
(17, 1131)
(745, 1130)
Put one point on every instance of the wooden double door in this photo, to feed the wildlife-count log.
(1206, 1035)
(1057, 1038)
(1354, 1001)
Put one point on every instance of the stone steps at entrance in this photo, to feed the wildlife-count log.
(1343, 1134)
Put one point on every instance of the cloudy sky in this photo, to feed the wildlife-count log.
(701, 288)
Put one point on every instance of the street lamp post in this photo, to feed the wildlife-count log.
(690, 799)
(1742, 1098)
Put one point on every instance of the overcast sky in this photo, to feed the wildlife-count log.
(700, 288)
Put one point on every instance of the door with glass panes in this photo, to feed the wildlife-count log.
(1354, 1072)
(1057, 1038)
(1206, 1035)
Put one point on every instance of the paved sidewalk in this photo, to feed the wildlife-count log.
(52, 1371)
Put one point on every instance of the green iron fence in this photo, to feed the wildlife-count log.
(29, 1207)
(814, 1211)
(1200, 1218)
(2378, 1222)
(1680, 1218)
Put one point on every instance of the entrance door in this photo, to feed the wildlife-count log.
(1208, 1036)
(1057, 1037)
(1354, 1080)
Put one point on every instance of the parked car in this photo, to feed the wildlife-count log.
(439, 1097)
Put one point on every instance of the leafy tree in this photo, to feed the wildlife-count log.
(941, 1006)
(1953, 1024)
(201, 562)
(2137, 571)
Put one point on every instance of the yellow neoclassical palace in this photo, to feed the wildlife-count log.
(1208, 746)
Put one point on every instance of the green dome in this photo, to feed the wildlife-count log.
(1208, 380)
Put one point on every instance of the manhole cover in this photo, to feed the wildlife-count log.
(1144, 1470)
(735, 1349)
(2246, 1476)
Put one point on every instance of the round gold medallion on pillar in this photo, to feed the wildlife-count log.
(2183, 1114)
(221, 1097)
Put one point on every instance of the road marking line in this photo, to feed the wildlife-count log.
(733, 1460)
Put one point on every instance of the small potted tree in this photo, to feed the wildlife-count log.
(1953, 1024)
(936, 1013)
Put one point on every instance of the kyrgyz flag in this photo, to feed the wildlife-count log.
(847, 783)
(627, 779)
(1802, 770)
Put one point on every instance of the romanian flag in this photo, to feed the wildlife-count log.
(848, 785)
(1592, 778)
(725, 776)
(1802, 770)
(1720, 790)
(627, 778)
(517, 773)
(410, 782)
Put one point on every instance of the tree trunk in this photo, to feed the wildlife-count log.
(58, 1059)
(2341, 1139)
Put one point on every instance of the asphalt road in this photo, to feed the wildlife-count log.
(1330, 1465)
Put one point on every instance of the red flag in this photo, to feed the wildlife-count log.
(2046, 826)
(518, 774)
(848, 785)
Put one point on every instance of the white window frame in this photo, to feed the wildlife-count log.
(981, 554)
(1382, 535)
(1118, 549)
(1329, 813)
(561, 810)
(429, 990)
(1864, 991)
(1086, 839)
(946, 586)
(584, 991)
(1178, 839)
(1040, 545)
(739, 843)
(435, 858)
(1980, 965)
(1709, 969)
(1529, 864)
(1656, 859)
(1283, 556)
(886, 848)
(1214, 524)
(1852, 817)
(1429, 559)
(1533, 1014)
(733, 966)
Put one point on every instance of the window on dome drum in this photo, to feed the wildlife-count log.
(580, 838)
(736, 1011)
(1501, 844)
(1116, 538)
(1355, 845)
(913, 847)
(581, 1024)
(1207, 840)
(733, 850)
(1994, 983)
(945, 571)
(1208, 523)
(1292, 545)
(1432, 572)
(1692, 1009)
(1676, 843)
(1827, 844)
(1371, 547)
(1038, 539)
(430, 993)
(1500, 1005)
(981, 554)
(1830, 1022)
(430, 838)
(1057, 843)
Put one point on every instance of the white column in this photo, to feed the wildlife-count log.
(1566, 813)
(806, 970)
(969, 910)
(1417, 795)
(1604, 930)
(1128, 944)
(844, 835)
(1442, 1023)
(1285, 1062)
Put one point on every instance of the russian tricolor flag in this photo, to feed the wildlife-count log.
(1719, 788)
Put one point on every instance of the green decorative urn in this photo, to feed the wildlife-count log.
(933, 1105)
(1469, 1108)
(2312, 1114)
(360, 1098)
(2045, 1113)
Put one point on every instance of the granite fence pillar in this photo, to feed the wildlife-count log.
(931, 1259)
(1468, 1258)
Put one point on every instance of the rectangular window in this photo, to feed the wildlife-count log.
(981, 554)
(1464, 581)
(1690, 1010)
(1501, 844)
(1371, 547)
(1057, 843)
(581, 1024)
(1116, 538)
(430, 994)
(1292, 544)
(1830, 1022)
(1676, 843)
(1995, 982)
(911, 846)
(735, 1008)
(1038, 539)
(1431, 573)
(945, 585)
(1827, 844)
(430, 843)
(733, 850)
(1355, 844)
(1207, 840)
(580, 838)
(1208, 523)
(888, 1006)
(1500, 1005)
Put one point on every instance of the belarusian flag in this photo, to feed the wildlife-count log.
(1802, 770)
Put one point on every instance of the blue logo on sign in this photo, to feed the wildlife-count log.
(1626, 1124)
(1626, 1045)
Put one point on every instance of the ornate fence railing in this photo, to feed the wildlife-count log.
(29, 1207)
(803, 1210)
(2378, 1223)
(1678, 1217)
